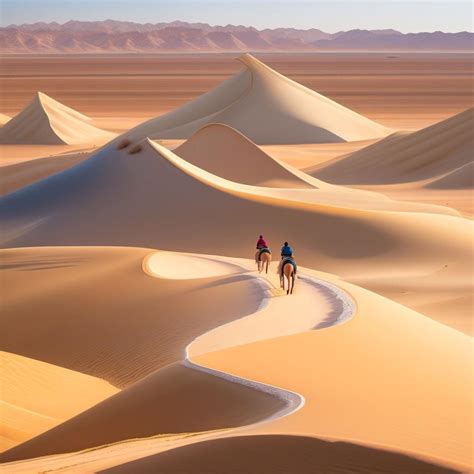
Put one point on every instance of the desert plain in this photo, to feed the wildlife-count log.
(138, 335)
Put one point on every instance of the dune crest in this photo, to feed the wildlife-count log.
(268, 108)
(423, 155)
(85, 205)
(225, 152)
(460, 178)
(47, 121)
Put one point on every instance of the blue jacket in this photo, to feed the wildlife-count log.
(286, 251)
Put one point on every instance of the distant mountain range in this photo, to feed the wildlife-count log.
(124, 36)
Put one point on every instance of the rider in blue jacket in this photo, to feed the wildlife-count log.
(286, 251)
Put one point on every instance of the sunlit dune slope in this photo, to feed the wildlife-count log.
(389, 377)
(36, 396)
(225, 152)
(427, 154)
(175, 399)
(267, 107)
(118, 325)
(164, 196)
(47, 121)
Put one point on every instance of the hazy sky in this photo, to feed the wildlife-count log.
(331, 16)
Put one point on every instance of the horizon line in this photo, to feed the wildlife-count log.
(13, 25)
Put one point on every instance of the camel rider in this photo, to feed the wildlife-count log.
(261, 244)
(286, 253)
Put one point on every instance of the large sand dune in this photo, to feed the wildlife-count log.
(135, 412)
(380, 379)
(225, 152)
(47, 121)
(423, 156)
(267, 107)
(91, 338)
(163, 197)
(385, 352)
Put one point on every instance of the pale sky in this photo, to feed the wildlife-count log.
(329, 16)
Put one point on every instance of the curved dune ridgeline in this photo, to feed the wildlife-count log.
(423, 155)
(139, 335)
(267, 107)
(222, 400)
(163, 196)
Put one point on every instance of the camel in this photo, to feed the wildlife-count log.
(289, 272)
(263, 261)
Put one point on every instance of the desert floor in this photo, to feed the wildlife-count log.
(403, 91)
(138, 335)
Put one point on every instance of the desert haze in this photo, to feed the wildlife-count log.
(138, 333)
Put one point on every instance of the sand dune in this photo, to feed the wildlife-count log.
(460, 178)
(18, 175)
(46, 121)
(85, 206)
(374, 382)
(37, 396)
(222, 404)
(275, 453)
(95, 337)
(267, 107)
(175, 399)
(394, 406)
(423, 155)
(225, 152)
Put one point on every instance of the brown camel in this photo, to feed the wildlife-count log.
(288, 271)
(263, 261)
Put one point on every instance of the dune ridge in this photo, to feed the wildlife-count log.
(421, 156)
(460, 178)
(128, 411)
(267, 107)
(225, 152)
(47, 121)
(84, 206)
(380, 345)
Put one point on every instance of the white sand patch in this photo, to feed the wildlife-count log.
(179, 266)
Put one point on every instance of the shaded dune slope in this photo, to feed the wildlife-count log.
(423, 155)
(109, 298)
(175, 399)
(227, 153)
(47, 121)
(269, 454)
(18, 175)
(85, 205)
(460, 178)
(267, 107)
